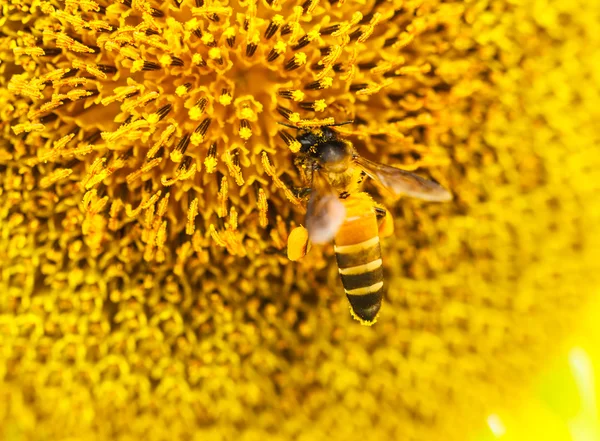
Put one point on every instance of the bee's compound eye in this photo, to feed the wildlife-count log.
(297, 245)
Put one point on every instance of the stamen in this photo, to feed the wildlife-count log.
(222, 196)
(279, 48)
(196, 111)
(296, 95)
(141, 101)
(293, 144)
(296, 61)
(229, 35)
(164, 111)
(274, 26)
(317, 106)
(191, 217)
(175, 61)
(55, 176)
(200, 132)
(373, 88)
(210, 162)
(232, 161)
(330, 29)
(323, 83)
(215, 236)
(369, 29)
(250, 49)
(225, 98)
(277, 181)
(150, 65)
(245, 131)
(305, 40)
(404, 40)
(177, 154)
(198, 60)
(164, 137)
(309, 6)
(183, 89)
(263, 207)
(132, 177)
(346, 26)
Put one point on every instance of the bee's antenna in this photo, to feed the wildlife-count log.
(324, 125)
(288, 125)
(351, 121)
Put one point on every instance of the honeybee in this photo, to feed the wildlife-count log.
(337, 210)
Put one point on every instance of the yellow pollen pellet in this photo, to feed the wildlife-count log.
(298, 244)
(181, 90)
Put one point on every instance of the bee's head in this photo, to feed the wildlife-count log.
(326, 149)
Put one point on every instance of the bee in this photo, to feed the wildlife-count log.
(337, 210)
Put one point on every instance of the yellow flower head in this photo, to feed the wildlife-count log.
(166, 115)
(147, 193)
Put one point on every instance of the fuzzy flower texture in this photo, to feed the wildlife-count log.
(147, 191)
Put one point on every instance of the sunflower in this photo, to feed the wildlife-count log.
(148, 192)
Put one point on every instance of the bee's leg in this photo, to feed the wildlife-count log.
(301, 192)
(384, 220)
(297, 243)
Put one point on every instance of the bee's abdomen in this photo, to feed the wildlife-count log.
(359, 260)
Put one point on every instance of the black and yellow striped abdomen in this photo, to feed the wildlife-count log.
(359, 257)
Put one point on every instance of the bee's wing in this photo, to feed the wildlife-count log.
(400, 182)
(324, 215)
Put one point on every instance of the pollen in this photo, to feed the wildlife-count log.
(150, 181)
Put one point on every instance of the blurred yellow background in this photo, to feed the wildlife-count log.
(561, 405)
